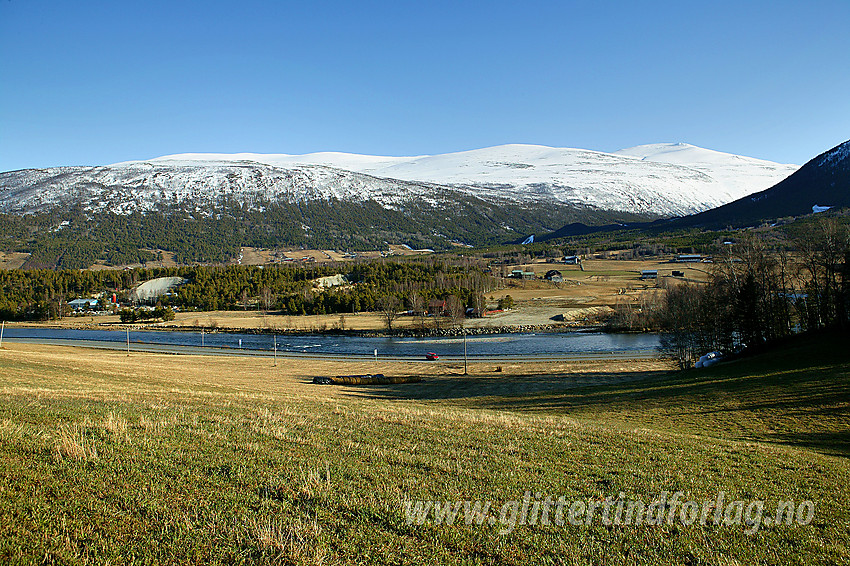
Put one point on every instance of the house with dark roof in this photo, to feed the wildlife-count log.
(554, 276)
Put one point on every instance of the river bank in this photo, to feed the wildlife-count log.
(272, 327)
(451, 332)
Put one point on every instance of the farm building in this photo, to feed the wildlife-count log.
(520, 274)
(571, 259)
(689, 258)
(436, 307)
(554, 276)
(82, 304)
(649, 274)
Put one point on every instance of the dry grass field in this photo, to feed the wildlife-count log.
(236, 320)
(12, 260)
(588, 293)
(168, 459)
(166, 261)
(262, 256)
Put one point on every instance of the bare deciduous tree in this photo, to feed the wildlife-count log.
(267, 297)
(825, 250)
(456, 310)
(389, 305)
(418, 307)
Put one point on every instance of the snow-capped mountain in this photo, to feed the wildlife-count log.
(660, 179)
(142, 186)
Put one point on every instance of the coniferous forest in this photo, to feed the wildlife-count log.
(41, 294)
(77, 239)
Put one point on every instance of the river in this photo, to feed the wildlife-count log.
(563, 344)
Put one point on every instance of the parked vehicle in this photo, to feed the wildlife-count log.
(431, 356)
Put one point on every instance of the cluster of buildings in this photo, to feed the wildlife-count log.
(552, 275)
(102, 304)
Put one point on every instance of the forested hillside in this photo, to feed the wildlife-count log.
(75, 239)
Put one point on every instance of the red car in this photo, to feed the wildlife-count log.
(431, 356)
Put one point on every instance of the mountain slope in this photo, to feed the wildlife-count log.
(144, 186)
(823, 181)
(203, 207)
(648, 183)
(641, 180)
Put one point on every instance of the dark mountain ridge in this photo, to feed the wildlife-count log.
(822, 182)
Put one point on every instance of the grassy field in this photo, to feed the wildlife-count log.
(191, 459)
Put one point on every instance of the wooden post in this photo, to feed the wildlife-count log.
(202, 337)
(275, 350)
(2, 329)
(128, 341)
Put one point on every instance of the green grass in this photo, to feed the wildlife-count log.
(797, 395)
(166, 459)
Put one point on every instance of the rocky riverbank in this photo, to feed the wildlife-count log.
(449, 331)
(403, 333)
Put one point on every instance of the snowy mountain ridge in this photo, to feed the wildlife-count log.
(659, 179)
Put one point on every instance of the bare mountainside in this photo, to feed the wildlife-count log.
(655, 180)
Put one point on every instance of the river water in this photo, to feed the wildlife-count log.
(492, 345)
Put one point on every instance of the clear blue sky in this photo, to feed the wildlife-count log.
(91, 83)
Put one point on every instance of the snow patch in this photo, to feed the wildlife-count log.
(838, 154)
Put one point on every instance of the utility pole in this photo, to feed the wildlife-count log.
(2, 329)
(464, 354)
(275, 350)
(128, 341)
(202, 337)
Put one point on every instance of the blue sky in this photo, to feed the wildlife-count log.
(91, 83)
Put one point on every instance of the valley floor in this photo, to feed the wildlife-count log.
(583, 298)
(192, 459)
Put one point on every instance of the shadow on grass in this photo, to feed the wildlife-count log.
(836, 443)
(501, 390)
(799, 395)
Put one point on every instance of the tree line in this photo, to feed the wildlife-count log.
(42, 294)
(762, 289)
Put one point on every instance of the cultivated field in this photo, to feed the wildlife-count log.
(192, 459)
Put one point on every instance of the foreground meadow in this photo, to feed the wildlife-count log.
(164, 459)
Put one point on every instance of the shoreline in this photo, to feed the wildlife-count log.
(363, 333)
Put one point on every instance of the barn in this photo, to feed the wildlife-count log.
(554, 276)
